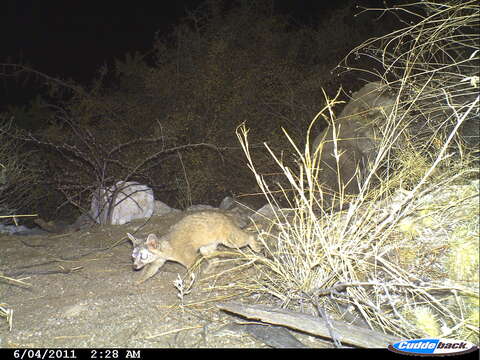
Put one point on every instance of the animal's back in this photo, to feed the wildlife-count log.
(204, 227)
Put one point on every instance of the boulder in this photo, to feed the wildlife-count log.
(163, 209)
(122, 203)
(358, 139)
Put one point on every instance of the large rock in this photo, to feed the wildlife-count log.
(122, 203)
(358, 138)
(162, 209)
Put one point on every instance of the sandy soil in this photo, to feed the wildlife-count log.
(82, 295)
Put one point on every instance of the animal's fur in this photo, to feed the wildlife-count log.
(201, 231)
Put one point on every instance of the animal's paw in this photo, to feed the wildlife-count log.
(255, 246)
(210, 267)
(140, 280)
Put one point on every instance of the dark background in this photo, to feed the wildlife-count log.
(272, 76)
(72, 39)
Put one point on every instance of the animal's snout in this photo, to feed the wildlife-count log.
(137, 265)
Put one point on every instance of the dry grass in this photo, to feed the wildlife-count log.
(7, 314)
(401, 256)
(5, 311)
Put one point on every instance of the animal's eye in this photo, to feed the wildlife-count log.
(144, 255)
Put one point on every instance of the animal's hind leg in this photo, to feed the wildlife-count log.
(208, 252)
(253, 243)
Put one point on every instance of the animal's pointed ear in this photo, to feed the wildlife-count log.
(152, 241)
(134, 240)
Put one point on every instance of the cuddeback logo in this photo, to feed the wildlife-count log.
(429, 347)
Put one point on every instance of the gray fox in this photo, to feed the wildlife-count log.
(201, 231)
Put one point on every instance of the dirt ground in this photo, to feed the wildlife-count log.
(84, 295)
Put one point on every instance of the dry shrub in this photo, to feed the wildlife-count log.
(402, 257)
(432, 63)
(230, 64)
(17, 177)
(223, 64)
(201, 83)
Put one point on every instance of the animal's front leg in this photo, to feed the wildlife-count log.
(149, 270)
(209, 251)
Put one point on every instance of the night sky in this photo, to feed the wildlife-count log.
(72, 39)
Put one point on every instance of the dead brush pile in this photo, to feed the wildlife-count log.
(402, 255)
(15, 175)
